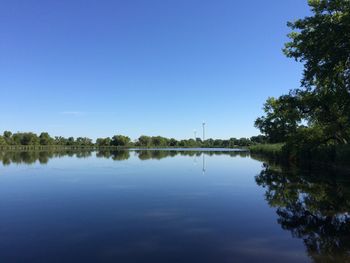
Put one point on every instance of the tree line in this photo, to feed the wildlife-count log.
(316, 115)
(44, 139)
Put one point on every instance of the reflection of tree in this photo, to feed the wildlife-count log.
(155, 154)
(159, 154)
(314, 207)
(117, 155)
(104, 153)
(83, 153)
(30, 157)
(120, 155)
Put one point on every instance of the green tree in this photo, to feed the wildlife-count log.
(258, 139)
(8, 137)
(322, 43)
(199, 142)
(173, 142)
(144, 141)
(281, 119)
(25, 138)
(45, 139)
(158, 141)
(322, 103)
(83, 141)
(244, 142)
(2, 140)
(208, 143)
(120, 140)
(59, 140)
(70, 141)
(103, 141)
(191, 143)
(233, 142)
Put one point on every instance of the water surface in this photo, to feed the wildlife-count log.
(168, 206)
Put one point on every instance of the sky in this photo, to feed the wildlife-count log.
(97, 68)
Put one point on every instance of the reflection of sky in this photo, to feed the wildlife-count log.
(95, 209)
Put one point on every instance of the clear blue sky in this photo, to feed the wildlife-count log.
(155, 67)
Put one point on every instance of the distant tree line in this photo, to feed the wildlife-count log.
(30, 138)
(159, 141)
(44, 139)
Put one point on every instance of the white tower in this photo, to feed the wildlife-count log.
(203, 124)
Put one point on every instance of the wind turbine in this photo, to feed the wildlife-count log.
(203, 124)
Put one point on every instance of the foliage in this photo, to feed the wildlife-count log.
(44, 139)
(120, 140)
(144, 141)
(305, 154)
(103, 141)
(272, 152)
(84, 141)
(282, 118)
(322, 43)
(2, 140)
(258, 139)
(317, 114)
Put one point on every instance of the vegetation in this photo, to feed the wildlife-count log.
(271, 151)
(29, 140)
(314, 120)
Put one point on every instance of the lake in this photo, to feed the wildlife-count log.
(169, 206)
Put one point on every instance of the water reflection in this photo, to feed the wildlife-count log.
(314, 206)
(132, 214)
(43, 157)
(203, 163)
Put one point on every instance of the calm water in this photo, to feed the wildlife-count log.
(168, 206)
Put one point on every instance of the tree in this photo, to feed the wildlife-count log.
(244, 142)
(26, 138)
(120, 140)
(208, 143)
(199, 141)
(103, 141)
(70, 141)
(217, 143)
(281, 119)
(83, 141)
(159, 141)
(45, 139)
(322, 103)
(173, 142)
(258, 139)
(59, 140)
(8, 137)
(144, 141)
(233, 142)
(322, 42)
(2, 140)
